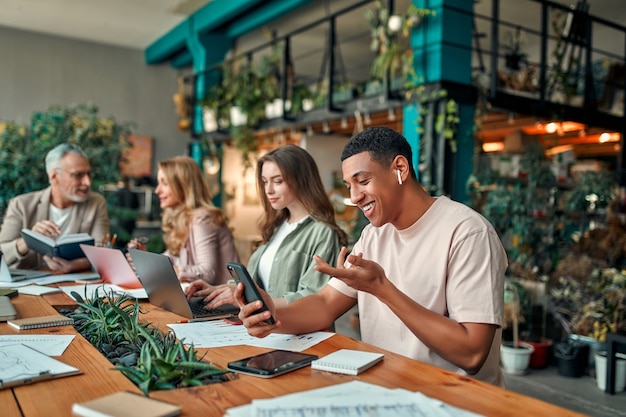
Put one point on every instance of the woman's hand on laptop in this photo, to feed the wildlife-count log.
(220, 296)
(214, 296)
(198, 288)
(256, 323)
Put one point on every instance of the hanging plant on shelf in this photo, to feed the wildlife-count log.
(514, 57)
(389, 32)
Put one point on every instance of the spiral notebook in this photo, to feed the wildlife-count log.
(43, 321)
(347, 361)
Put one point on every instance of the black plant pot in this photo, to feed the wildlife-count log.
(513, 62)
(572, 358)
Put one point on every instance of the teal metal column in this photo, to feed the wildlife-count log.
(207, 50)
(442, 53)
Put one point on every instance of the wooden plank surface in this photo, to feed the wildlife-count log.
(56, 397)
(9, 405)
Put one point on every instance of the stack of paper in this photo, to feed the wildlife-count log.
(350, 399)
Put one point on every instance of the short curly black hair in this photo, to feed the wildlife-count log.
(383, 145)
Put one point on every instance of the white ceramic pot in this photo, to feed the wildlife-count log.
(515, 360)
(237, 117)
(209, 120)
(620, 371)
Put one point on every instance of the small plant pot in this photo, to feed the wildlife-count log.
(572, 358)
(601, 369)
(209, 120)
(594, 347)
(539, 358)
(515, 360)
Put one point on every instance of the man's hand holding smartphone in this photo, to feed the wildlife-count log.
(256, 322)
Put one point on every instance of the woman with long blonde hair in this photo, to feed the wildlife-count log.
(196, 233)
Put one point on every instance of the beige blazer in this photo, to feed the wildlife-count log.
(27, 209)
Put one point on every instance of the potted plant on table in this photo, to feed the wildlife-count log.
(150, 358)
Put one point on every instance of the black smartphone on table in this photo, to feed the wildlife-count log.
(250, 291)
(271, 364)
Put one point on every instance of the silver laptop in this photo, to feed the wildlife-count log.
(16, 275)
(159, 279)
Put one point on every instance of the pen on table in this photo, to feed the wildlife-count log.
(196, 320)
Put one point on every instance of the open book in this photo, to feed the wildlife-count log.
(66, 247)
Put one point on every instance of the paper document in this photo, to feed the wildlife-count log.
(87, 291)
(350, 399)
(21, 365)
(51, 279)
(38, 290)
(217, 333)
(51, 345)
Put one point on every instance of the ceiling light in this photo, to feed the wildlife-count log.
(604, 137)
(493, 146)
(559, 149)
(551, 127)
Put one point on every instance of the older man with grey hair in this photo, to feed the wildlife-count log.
(67, 206)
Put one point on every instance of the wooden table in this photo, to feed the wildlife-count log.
(55, 397)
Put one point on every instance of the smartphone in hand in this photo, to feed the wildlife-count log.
(250, 291)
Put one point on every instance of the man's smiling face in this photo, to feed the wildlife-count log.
(372, 188)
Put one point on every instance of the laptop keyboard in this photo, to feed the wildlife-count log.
(197, 308)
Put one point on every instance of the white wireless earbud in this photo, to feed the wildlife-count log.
(399, 177)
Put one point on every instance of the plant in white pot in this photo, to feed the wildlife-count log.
(515, 355)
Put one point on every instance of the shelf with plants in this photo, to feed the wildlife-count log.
(558, 236)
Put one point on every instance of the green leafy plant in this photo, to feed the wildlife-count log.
(164, 363)
(110, 323)
(514, 56)
(23, 149)
(389, 33)
(561, 79)
(153, 360)
(249, 86)
(594, 190)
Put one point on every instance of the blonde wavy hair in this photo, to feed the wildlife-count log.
(187, 185)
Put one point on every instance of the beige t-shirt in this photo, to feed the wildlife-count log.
(450, 261)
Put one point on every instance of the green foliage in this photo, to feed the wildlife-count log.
(594, 190)
(153, 360)
(166, 364)
(388, 39)
(109, 322)
(560, 77)
(23, 149)
(250, 87)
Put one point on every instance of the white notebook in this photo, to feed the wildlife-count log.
(347, 361)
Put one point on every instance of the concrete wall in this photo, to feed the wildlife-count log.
(37, 71)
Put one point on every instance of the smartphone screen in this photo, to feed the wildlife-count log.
(274, 363)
